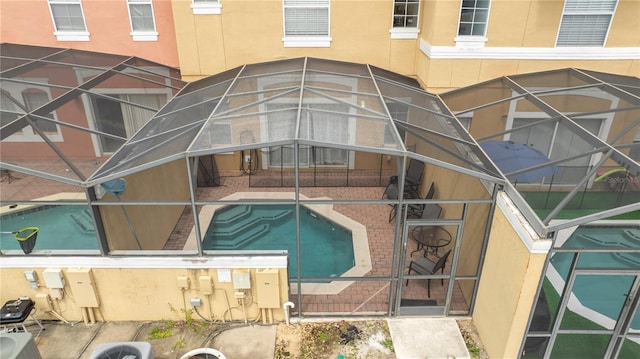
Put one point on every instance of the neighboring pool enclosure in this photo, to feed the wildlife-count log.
(383, 199)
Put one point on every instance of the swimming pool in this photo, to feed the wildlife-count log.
(326, 248)
(598, 297)
(360, 242)
(61, 228)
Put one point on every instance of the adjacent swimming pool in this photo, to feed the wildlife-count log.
(598, 297)
(61, 228)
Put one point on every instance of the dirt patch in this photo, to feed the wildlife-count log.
(171, 339)
(472, 339)
(353, 339)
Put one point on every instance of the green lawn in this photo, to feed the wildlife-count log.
(581, 204)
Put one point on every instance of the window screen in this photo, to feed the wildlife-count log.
(67, 15)
(585, 22)
(141, 13)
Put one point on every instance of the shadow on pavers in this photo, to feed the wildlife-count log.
(78, 340)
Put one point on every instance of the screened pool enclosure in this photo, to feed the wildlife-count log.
(151, 159)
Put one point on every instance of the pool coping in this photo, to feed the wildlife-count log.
(362, 255)
(62, 196)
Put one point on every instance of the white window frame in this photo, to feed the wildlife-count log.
(146, 35)
(306, 41)
(27, 134)
(69, 35)
(570, 11)
(206, 7)
(472, 40)
(404, 32)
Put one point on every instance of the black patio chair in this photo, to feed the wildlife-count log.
(425, 266)
(416, 210)
(412, 179)
(391, 192)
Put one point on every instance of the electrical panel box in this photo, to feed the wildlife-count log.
(83, 287)
(183, 282)
(206, 285)
(268, 288)
(32, 278)
(241, 279)
(53, 278)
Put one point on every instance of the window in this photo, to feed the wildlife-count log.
(121, 119)
(68, 20)
(34, 99)
(206, 7)
(143, 27)
(559, 142)
(8, 110)
(405, 13)
(474, 15)
(306, 23)
(585, 22)
(405, 19)
(326, 124)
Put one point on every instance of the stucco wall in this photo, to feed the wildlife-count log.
(152, 224)
(251, 31)
(128, 291)
(107, 22)
(510, 276)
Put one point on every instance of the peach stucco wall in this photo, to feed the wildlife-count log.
(107, 22)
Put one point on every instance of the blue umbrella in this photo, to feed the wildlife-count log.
(510, 157)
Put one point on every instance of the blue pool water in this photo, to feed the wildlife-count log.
(602, 293)
(326, 248)
(61, 227)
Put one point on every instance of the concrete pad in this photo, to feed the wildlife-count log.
(250, 342)
(433, 338)
(65, 340)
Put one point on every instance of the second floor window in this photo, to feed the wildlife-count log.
(306, 20)
(67, 15)
(474, 15)
(143, 27)
(405, 13)
(585, 22)
(206, 7)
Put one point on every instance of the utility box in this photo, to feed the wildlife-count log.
(241, 279)
(83, 287)
(268, 288)
(206, 285)
(53, 278)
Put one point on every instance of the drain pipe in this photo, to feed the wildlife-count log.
(286, 307)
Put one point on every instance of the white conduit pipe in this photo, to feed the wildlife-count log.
(286, 307)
